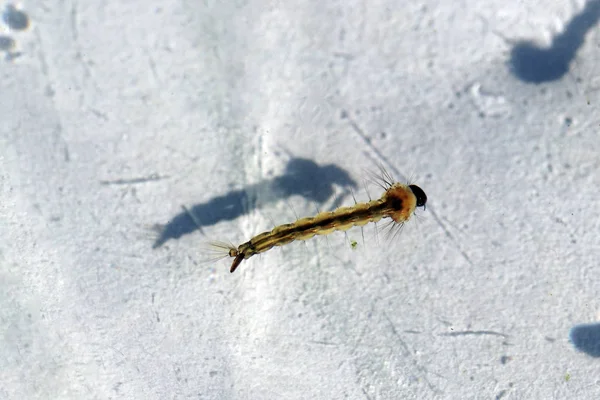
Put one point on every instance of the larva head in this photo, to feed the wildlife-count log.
(420, 195)
(401, 201)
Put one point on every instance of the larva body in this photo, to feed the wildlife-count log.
(398, 202)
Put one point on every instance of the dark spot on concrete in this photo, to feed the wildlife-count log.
(15, 18)
(6, 43)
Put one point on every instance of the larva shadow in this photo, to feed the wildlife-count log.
(302, 177)
(533, 64)
(586, 338)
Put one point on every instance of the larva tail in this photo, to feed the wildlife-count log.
(225, 249)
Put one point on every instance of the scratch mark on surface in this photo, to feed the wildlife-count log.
(408, 354)
(74, 22)
(99, 114)
(152, 65)
(42, 54)
(151, 178)
(474, 333)
(365, 393)
(323, 343)
(450, 236)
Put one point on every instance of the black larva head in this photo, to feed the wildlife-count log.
(419, 194)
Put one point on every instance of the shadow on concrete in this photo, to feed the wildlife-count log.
(533, 64)
(302, 177)
(586, 338)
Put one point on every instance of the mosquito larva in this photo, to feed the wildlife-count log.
(398, 202)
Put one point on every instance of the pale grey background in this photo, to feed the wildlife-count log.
(115, 114)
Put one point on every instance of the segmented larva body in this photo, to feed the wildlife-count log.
(398, 202)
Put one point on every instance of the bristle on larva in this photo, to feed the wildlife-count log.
(398, 202)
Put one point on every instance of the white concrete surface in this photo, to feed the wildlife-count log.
(115, 114)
